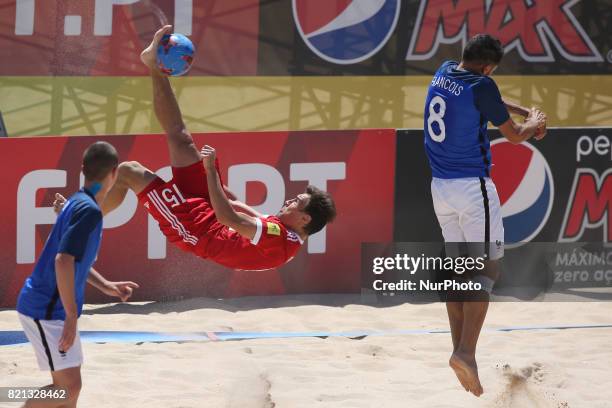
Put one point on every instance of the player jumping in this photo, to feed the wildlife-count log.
(193, 210)
(461, 100)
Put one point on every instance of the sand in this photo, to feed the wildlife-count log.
(552, 368)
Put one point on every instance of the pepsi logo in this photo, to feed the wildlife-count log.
(345, 31)
(525, 186)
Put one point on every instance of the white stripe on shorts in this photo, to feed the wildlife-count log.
(171, 218)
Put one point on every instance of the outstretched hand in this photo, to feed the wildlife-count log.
(209, 156)
(148, 56)
(122, 290)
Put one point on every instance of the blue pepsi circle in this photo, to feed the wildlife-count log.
(175, 54)
(525, 185)
(346, 31)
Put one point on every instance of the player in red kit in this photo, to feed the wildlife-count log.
(193, 210)
(194, 213)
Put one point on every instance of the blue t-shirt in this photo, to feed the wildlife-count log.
(77, 232)
(458, 107)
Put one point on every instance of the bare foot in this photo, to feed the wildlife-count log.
(148, 56)
(467, 373)
(459, 372)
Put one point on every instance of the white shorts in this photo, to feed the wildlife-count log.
(44, 335)
(468, 210)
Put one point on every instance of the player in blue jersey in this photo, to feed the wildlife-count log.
(461, 100)
(51, 299)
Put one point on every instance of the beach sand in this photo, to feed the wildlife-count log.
(548, 368)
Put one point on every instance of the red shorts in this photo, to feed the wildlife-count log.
(181, 206)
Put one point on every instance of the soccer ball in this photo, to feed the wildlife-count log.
(175, 54)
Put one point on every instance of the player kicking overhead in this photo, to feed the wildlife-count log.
(193, 210)
(461, 100)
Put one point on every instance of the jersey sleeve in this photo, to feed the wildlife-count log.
(83, 221)
(270, 232)
(489, 102)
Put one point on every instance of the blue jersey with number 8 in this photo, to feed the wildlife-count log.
(459, 105)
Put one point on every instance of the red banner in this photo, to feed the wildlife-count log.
(357, 167)
(93, 37)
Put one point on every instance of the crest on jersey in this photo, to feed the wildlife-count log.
(273, 228)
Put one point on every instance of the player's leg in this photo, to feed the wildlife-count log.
(181, 146)
(448, 218)
(482, 226)
(474, 308)
(463, 359)
(133, 176)
(454, 310)
(68, 379)
(42, 403)
(474, 313)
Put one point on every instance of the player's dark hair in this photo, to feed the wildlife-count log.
(99, 159)
(483, 49)
(321, 209)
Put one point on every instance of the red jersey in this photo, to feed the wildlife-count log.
(185, 216)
